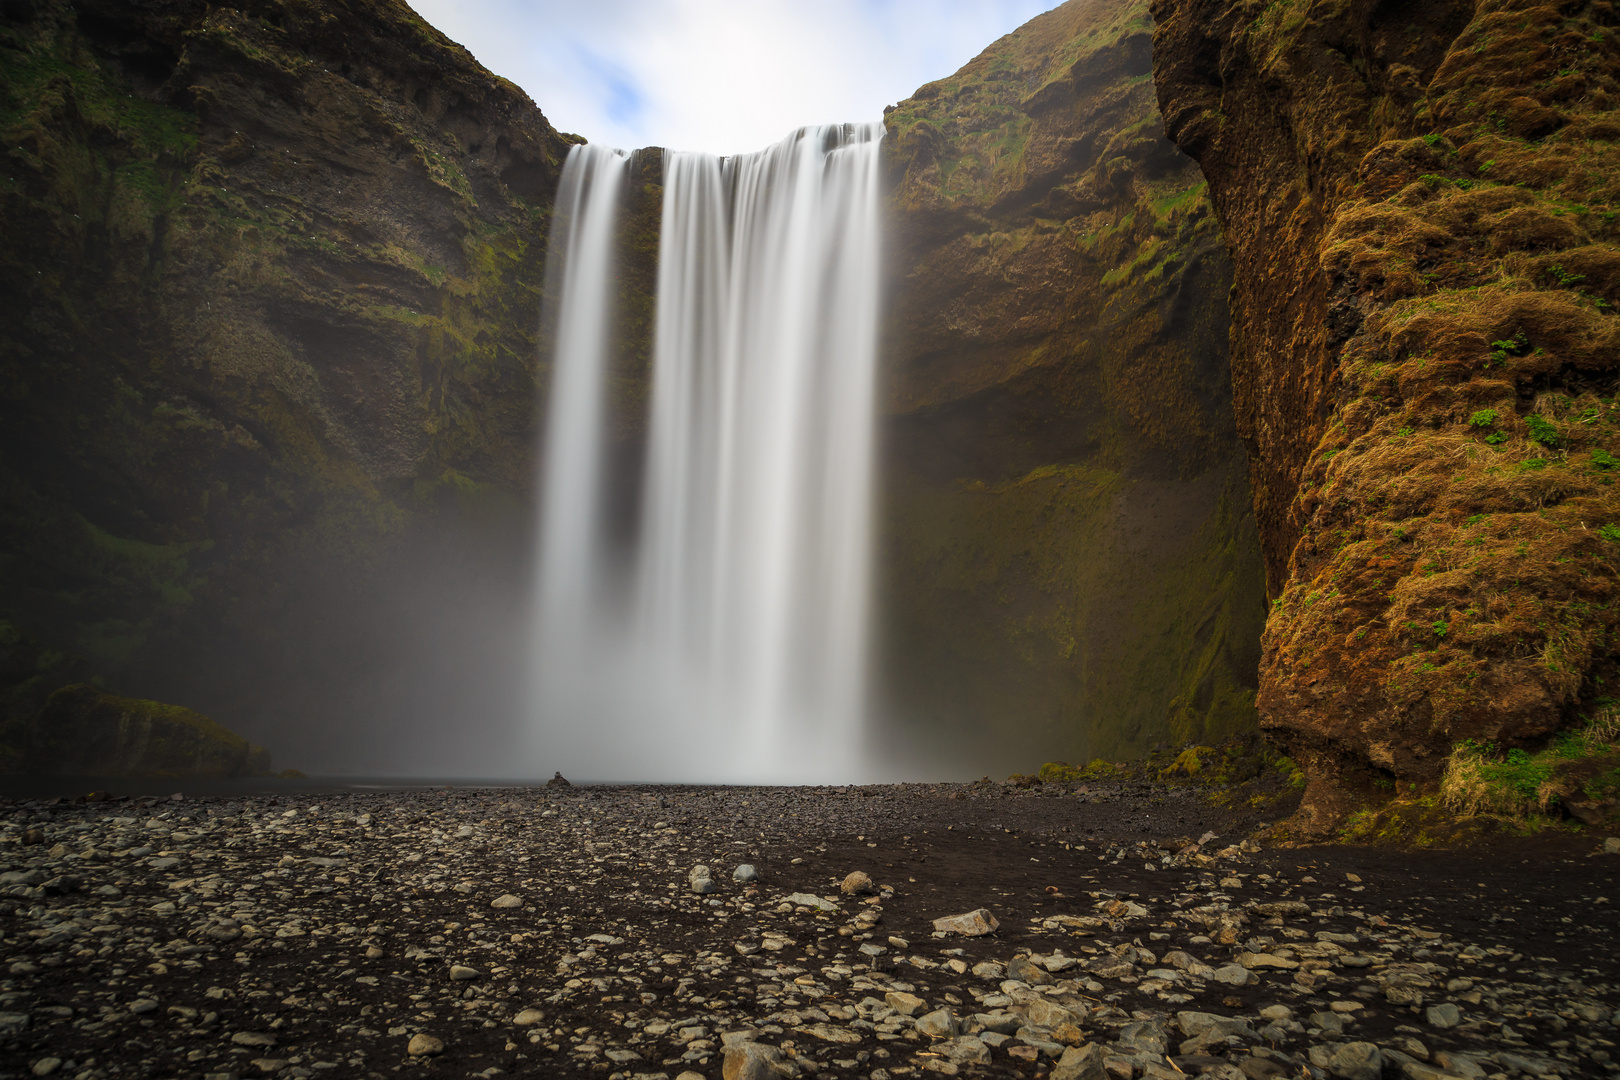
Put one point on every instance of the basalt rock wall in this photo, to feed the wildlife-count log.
(270, 285)
(1069, 559)
(1420, 201)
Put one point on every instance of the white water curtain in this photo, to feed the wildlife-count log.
(736, 646)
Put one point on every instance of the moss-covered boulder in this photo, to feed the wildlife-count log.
(84, 732)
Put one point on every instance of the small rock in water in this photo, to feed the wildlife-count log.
(558, 780)
(701, 881)
(975, 923)
(858, 884)
(745, 872)
(424, 1046)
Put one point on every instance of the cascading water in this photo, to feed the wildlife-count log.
(729, 642)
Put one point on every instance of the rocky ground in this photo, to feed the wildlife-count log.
(560, 933)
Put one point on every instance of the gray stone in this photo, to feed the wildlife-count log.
(1458, 1064)
(745, 872)
(142, 1006)
(939, 1024)
(858, 884)
(1356, 1061)
(700, 880)
(1611, 845)
(1081, 1063)
(46, 1065)
(1233, 975)
(1198, 1024)
(528, 1017)
(506, 900)
(966, 1050)
(800, 899)
(1445, 1015)
(904, 1004)
(424, 1046)
(458, 973)
(752, 1061)
(1026, 971)
(975, 923)
(253, 1038)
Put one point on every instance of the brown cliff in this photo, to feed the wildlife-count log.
(1420, 203)
(270, 280)
(1069, 562)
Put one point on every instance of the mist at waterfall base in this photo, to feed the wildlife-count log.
(717, 629)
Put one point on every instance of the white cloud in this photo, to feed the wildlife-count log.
(720, 75)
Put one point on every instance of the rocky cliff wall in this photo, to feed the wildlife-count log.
(1420, 203)
(1069, 557)
(270, 283)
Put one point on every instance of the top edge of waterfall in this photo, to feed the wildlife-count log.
(852, 132)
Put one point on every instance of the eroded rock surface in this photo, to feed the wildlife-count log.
(1419, 201)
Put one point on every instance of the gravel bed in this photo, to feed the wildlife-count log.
(894, 931)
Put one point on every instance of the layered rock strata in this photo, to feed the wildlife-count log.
(270, 284)
(1070, 559)
(1420, 205)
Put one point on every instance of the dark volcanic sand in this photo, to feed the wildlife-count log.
(230, 927)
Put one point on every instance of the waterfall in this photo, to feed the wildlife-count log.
(729, 642)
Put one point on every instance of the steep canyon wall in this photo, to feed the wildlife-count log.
(269, 282)
(1070, 555)
(1420, 202)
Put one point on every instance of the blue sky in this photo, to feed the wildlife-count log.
(724, 76)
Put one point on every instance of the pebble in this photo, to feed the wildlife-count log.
(360, 922)
(424, 1046)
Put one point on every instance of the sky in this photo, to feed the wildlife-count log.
(724, 76)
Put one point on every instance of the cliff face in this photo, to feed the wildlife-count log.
(1069, 559)
(270, 286)
(1419, 201)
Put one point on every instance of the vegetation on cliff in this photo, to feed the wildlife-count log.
(269, 282)
(1421, 205)
(1071, 565)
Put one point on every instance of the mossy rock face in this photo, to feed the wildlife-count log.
(1422, 205)
(1070, 566)
(84, 732)
(270, 283)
